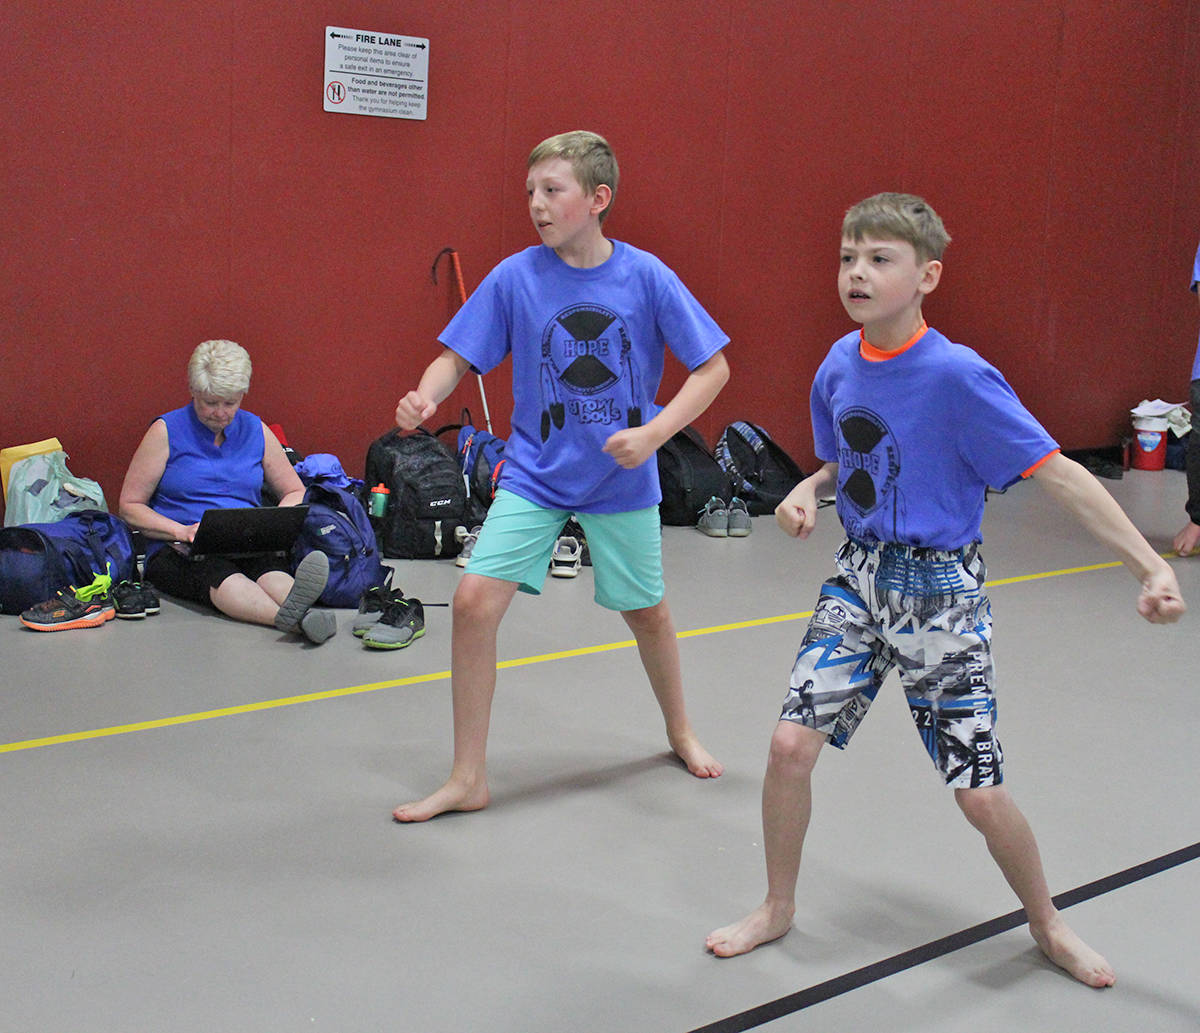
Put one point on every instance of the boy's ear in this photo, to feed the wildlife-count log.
(601, 198)
(930, 276)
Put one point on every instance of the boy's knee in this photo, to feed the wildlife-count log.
(480, 599)
(795, 748)
(649, 620)
(981, 806)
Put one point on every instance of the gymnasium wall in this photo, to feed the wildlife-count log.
(169, 175)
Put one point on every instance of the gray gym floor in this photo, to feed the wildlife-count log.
(197, 829)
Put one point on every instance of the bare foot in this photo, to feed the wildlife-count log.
(451, 797)
(699, 761)
(1062, 946)
(764, 924)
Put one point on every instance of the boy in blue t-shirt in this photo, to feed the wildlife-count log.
(913, 429)
(585, 319)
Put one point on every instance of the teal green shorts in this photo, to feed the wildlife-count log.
(518, 539)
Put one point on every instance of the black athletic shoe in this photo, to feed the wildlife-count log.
(135, 600)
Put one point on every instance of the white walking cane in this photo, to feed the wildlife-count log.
(462, 299)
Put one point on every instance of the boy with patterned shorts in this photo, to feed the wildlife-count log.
(586, 320)
(913, 429)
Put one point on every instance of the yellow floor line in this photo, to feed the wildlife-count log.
(354, 690)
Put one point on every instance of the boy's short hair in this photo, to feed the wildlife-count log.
(898, 217)
(590, 157)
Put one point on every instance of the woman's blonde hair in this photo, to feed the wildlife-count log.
(219, 368)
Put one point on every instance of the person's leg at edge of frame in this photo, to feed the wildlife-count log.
(658, 647)
(786, 810)
(993, 812)
(480, 603)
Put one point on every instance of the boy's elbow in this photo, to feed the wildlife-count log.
(719, 369)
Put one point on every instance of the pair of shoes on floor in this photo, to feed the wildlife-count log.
(567, 557)
(135, 601)
(468, 539)
(71, 607)
(401, 623)
(296, 615)
(720, 521)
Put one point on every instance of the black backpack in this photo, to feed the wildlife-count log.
(689, 475)
(428, 501)
(761, 471)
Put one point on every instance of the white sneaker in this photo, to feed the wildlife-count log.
(567, 557)
(468, 545)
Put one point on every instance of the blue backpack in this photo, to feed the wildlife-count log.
(481, 455)
(337, 525)
(36, 560)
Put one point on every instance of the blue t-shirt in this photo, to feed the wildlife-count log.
(200, 475)
(1196, 280)
(918, 439)
(588, 347)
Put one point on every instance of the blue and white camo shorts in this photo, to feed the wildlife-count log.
(925, 612)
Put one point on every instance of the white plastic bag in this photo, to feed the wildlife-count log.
(41, 490)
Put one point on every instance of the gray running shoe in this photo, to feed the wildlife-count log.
(739, 519)
(371, 606)
(402, 623)
(714, 519)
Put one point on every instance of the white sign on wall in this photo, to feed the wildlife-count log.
(375, 73)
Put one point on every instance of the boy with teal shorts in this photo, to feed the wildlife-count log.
(586, 321)
(913, 429)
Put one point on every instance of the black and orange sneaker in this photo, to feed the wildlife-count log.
(71, 608)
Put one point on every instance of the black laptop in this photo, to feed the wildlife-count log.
(247, 531)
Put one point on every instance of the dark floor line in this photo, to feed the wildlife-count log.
(842, 984)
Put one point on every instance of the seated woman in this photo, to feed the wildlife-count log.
(212, 454)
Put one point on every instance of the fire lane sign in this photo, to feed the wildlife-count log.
(376, 73)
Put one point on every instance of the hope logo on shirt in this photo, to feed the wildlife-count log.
(586, 352)
(868, 457)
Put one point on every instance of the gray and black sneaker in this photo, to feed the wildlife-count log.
(400, 624)
(372, 604)
(134, 601)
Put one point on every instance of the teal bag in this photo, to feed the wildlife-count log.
(41, 490)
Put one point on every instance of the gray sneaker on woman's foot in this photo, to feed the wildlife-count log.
(311, 576)
(318, 626)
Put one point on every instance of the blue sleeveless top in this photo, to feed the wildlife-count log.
(200, 475)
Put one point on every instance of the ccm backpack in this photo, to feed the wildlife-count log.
(38, 559)
(337, 525)
(761, 471)
(689, 475)
(428, 500)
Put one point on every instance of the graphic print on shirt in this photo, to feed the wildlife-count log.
(587, 370)
(869, 464)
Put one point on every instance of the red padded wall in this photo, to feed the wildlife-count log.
(169, 175)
